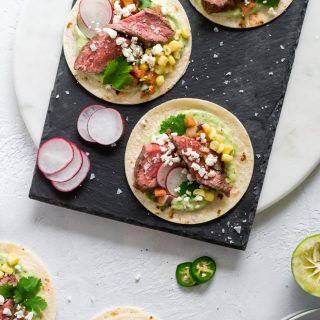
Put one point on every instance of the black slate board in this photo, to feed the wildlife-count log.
(260, 62)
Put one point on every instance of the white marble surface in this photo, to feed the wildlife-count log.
(94, 261)
(289, 162)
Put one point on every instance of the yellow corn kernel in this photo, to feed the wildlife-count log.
(177, 55)
(209, 196)
(206, 128)
(166, 49)
(213, 134)
(6, 269)
(168, 69)
(226, 158)
(220, 138)
(1, 274)
(199, 192)
(159, 70)
(220, 148)
(162, 61)
(174, 45)
(144, 67)
(160, 81)
(177, 35)
(227, 149)
(214, 145)
(185, 32)
(172, 60)
(149, 51)
(12, 260)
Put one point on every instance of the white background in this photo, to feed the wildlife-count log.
(94, 261)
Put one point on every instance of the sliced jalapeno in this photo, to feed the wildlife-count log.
(183, 275)
(203, 269)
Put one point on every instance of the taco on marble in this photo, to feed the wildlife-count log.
(26, 289)
(241, 13)
(127, 51)
(189, 161)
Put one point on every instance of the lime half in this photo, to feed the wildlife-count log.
(305, 265)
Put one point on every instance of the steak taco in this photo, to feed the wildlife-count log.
(26, 290)
(241, 13)
(124, 313)
(189, 161)
(127, 51)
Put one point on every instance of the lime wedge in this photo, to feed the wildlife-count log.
(305, 265)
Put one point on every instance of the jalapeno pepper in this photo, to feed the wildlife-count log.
(203, 269)
(183, 275)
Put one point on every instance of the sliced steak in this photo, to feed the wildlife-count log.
(9, 304)
(149, 26)
(147, 166)
(9, 279)
(218, 181)
(215, 6)
(97, 53)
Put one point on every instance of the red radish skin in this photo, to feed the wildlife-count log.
(76, 181)
(163, 173)
(96, 13)
(82, 124)
(174, 179)
(106, 126)
(54, 155)
(71, 170)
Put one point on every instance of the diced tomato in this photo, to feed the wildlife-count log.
(152, 89)
(151, 77)
(246, 8)
(160, 193)
(137, 72)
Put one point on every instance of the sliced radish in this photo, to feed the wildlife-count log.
(76, 181)
(83, 119)
(54, 155)
(174, 179)
(95, 13)
(71, 170)
(106, 126)
(163, 173)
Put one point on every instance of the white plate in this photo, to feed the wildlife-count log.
(296, 150)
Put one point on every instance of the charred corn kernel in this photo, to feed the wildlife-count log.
(177, 55)
(214, 145)
(185, 33)
(1, 274)
(199, 192)
(220, 148)
(159, 70)
(227, 149)
(174, 45)
(144, 67)
(226, 158)
(168, 69)
(6, 269)
(209, 196)
(212, 134)
(220, 138)
(177, 35)
(166, 49)
(160, 81)
(148, 51)
(162, 61)
(12, 260)
(172, 60)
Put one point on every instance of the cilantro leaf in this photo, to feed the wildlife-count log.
(269, 3)
(188, 187)
(175, 124)
(35, 304)
(117, 73)
(6, 290)
(145, 4)
(27, 288)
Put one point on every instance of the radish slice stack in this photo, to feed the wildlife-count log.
(63, 163)
(98, 124)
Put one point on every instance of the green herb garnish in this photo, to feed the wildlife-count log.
(145, 4)
(117, 73)
(269, 3)
(188, 187)
(25, 293)
(175, 124)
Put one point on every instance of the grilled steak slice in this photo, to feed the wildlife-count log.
(195, 161)
(147, 166)
(97, 53)
(150, 27)
(215, 6)
(9, 305)
(9, 279)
